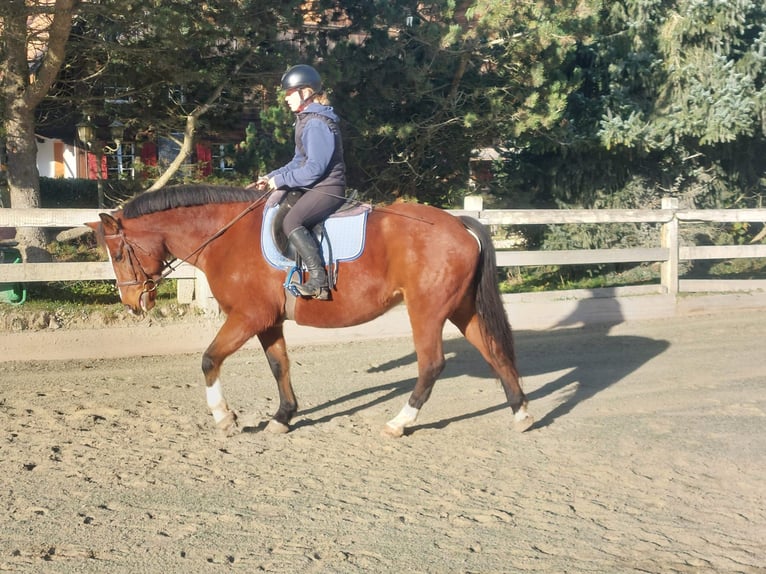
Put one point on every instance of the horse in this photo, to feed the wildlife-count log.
(442, 267)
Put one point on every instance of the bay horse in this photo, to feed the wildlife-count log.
(441, 266)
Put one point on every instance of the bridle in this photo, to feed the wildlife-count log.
(140, 276)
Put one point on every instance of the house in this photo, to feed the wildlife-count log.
(57, 158)
(62, 157)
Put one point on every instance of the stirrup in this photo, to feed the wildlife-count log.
(322, 292)
(299, 289)
(291, 285)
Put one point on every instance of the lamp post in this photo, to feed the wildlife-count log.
(88, 134)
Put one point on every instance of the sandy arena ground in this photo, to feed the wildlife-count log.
(649, 455)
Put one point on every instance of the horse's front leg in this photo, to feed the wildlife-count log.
(273, 343)
(232, 335)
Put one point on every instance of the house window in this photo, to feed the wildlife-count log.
(119, 164)
(221, 158)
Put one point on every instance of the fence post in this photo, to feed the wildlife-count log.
(185, 291)
(203, 298)
(669, 239)
(473, 203)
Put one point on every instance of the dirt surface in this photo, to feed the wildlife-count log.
(648, 456)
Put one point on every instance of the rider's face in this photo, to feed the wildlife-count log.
(293, 99)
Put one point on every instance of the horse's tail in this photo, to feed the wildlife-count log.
(496, 329)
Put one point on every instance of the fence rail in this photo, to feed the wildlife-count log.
(668, 252)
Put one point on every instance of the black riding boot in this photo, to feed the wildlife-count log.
(308, 248)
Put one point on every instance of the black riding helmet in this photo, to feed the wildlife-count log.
(302, 76)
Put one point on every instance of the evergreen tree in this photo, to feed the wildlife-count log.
(421, 85)
(686, 89)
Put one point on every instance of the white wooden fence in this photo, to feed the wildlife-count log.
(192, 286)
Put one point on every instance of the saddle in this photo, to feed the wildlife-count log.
(341, 236)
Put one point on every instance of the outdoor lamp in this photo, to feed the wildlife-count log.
(117, 131)
(86, 132)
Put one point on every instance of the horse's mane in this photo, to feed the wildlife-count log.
(185, 196)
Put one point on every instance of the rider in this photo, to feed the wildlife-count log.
(317, 167)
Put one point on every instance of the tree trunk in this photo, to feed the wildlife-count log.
(22, 92)
(24, 181)
(181, 157)
(192, 120)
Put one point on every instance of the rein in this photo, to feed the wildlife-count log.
(149, 284)
(172, 266)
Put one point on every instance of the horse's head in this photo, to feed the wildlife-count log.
(138, 260)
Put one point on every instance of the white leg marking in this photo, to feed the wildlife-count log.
(520, 414)
(522, 420)
(215, 401)
(405, 417)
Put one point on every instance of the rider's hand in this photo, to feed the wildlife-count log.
(262, 184)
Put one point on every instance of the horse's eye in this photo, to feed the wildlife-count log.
(118, 256)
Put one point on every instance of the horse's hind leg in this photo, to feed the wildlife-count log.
(273, 343)
(430, 353)
(503, 366)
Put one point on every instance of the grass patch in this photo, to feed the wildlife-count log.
(563, 278)
(89, 293)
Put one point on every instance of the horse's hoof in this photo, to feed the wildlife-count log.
(523, 424)
(392, 432)
(228, 425)
(277, 427)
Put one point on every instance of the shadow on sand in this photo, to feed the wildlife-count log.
(580, 346)
(590, 357)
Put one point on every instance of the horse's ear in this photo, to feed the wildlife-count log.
(111, 225)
